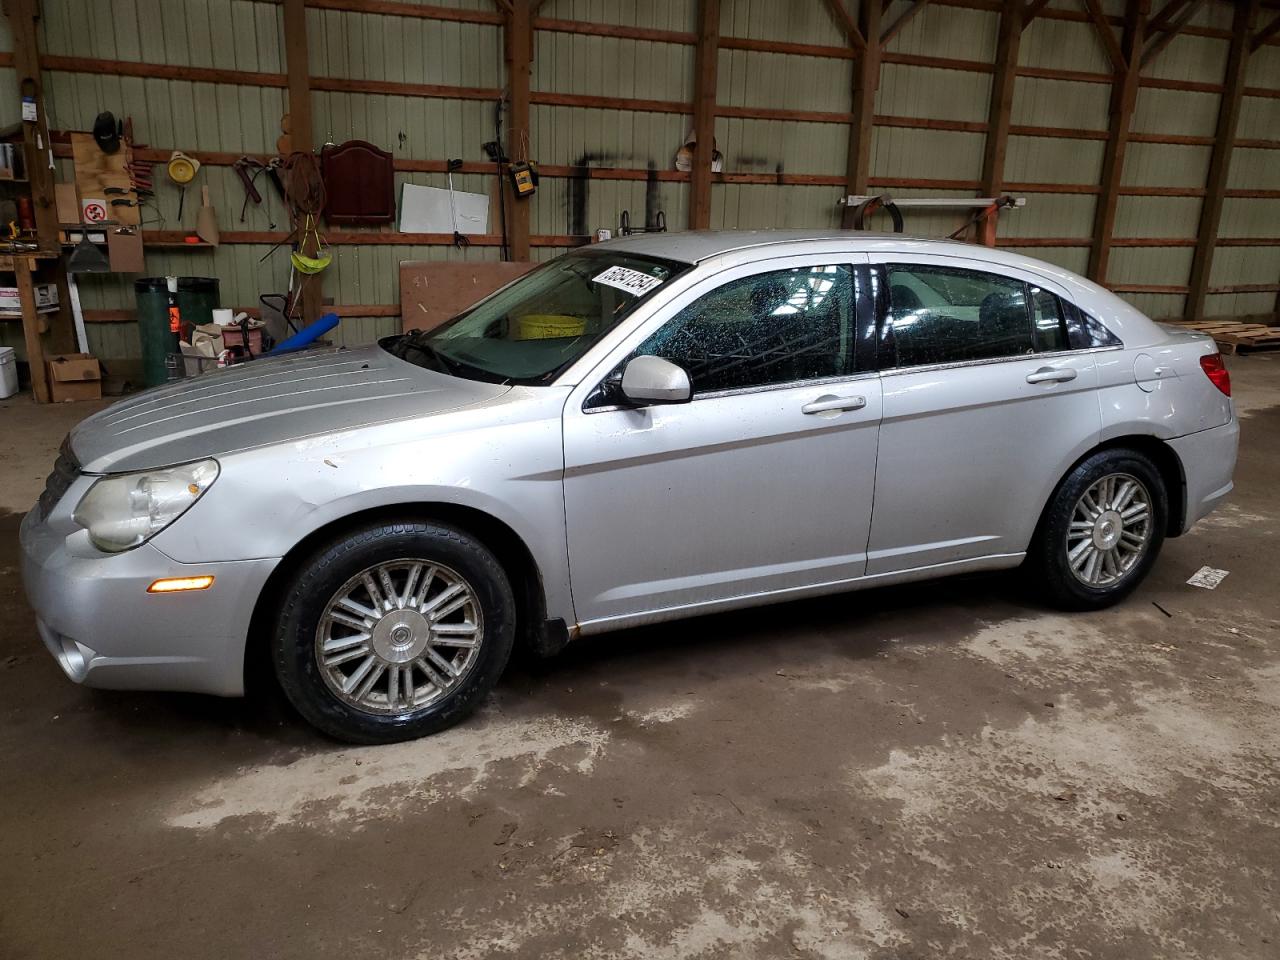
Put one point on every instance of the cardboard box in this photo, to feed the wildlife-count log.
(46, 296)
(74, 376)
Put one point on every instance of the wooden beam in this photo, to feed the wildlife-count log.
(941, 63)
(298, 76)
(519, 53)
(400, 8)
(1072, 76)
(1220, 160)
(857, 38)
(1124, 97)
(1032, 10)
(866, 78)
(1000, 110)
(31, 330)
(1265, 34)
(706, 68)
(1117, 56)
(904, 18)
(1165, 17)
(1179, 24)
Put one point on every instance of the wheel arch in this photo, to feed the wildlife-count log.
(1166, 461)
(507, 546)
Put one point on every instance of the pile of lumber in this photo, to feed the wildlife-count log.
(1235, 337)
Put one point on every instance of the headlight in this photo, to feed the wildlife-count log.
(123, 511)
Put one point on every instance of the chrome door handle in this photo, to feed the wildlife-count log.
(825, 404)
(1052, 375)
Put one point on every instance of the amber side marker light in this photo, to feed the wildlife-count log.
(179, 584)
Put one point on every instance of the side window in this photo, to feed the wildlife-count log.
(1050, 321)
(1099, 336)
(777, 327)
(945, 315)
(1085, 331)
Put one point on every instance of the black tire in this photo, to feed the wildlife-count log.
(318, 580)
(1047, 562)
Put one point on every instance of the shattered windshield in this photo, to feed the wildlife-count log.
(532, 329)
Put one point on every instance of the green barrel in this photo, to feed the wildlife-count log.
(197, 299)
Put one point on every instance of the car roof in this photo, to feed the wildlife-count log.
(695, 246)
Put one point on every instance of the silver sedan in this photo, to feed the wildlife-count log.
(640, 430)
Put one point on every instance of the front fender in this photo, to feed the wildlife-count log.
(267, 501)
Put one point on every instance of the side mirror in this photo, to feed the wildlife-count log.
(649, 380)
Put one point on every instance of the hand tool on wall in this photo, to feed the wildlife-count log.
(248, 169)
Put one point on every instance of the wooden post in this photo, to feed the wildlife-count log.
(1220, 159)
(705, 73)
(1124, 97)
(519, 55)
(1001, 109)
(31, 330)
(300, 125)
(866, 78)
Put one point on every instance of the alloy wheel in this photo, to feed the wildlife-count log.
(398, 636)
(1110, 530)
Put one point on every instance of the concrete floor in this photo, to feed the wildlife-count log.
(937, 770)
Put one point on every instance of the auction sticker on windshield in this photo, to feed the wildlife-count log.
(632, 281)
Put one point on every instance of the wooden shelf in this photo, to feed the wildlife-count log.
(7, 259)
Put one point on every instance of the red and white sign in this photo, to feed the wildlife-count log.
(93, 211)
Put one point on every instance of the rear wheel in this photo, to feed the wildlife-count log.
(394, 631)
(1102, 531)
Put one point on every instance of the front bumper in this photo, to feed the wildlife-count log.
(1208, 465)
(97, 619)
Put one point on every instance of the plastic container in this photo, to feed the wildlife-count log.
(197, 298)
(8, 372)
(548, 326)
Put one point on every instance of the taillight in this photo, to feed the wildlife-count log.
(1216, 371)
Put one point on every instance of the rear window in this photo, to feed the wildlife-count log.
(948, 315)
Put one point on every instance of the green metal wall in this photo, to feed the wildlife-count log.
(248, 35)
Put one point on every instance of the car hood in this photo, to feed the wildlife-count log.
(267, 401)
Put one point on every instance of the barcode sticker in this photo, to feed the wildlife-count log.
(632, 281)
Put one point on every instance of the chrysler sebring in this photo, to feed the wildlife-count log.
(652, 428)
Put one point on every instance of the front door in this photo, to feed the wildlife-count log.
(762, 483)
(985, 407)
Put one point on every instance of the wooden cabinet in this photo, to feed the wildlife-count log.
(359, 184)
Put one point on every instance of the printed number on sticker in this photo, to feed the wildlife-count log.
(632, 281)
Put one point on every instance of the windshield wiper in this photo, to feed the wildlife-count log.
(408, 344)
(415, 341)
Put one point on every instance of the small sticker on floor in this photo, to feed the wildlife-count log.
(1207, 577)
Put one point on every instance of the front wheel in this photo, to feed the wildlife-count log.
(1101, 532)
(393, 632)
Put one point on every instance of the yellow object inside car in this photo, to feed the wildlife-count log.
(548, 326)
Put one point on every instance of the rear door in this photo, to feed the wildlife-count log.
(985, 407)
(762, 483)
